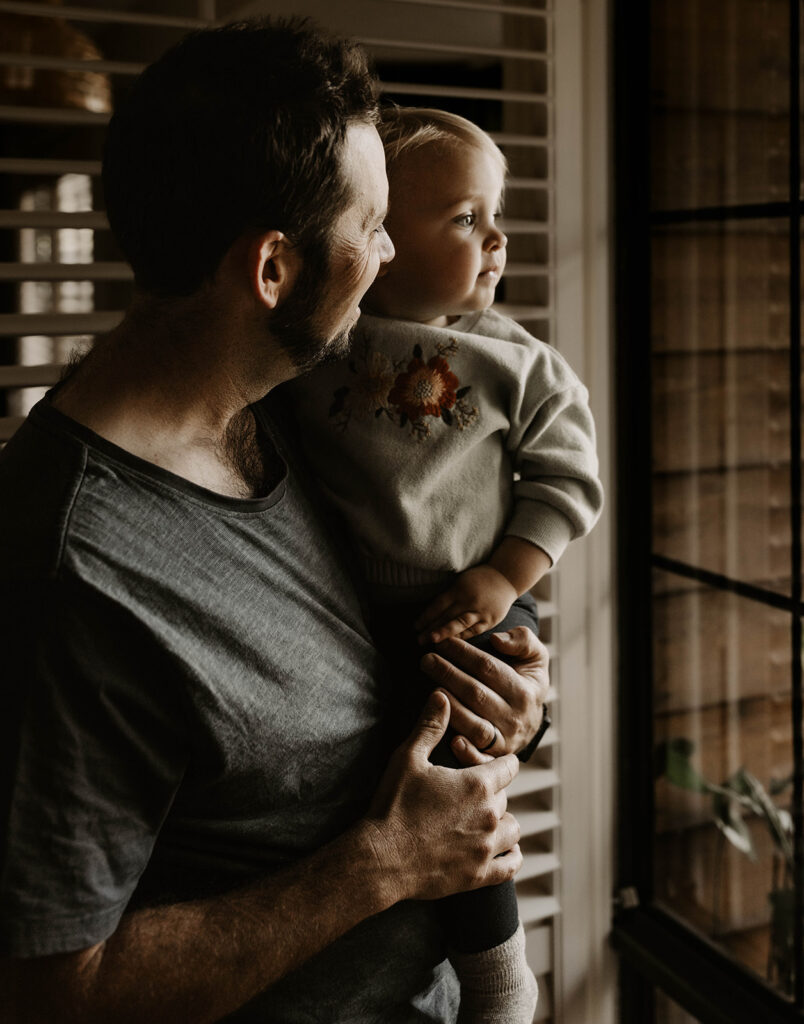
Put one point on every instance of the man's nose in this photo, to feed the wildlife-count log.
(387, 251)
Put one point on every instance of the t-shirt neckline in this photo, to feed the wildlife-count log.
(46, 413)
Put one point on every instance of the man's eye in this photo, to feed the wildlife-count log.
(466, 220)
(380, 230)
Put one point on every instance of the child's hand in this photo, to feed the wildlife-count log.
(477, 600)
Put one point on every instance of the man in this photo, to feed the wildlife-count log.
(196, 826)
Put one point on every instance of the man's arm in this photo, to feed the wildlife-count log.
(431, 831)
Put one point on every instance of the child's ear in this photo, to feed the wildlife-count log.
(273, 265)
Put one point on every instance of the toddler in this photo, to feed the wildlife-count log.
(460, 452)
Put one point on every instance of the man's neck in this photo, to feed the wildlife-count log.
(172, 385)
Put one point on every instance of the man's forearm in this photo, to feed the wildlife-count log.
(430, 831)
(200, 960)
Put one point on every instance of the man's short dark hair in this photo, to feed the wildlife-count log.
(234, 129)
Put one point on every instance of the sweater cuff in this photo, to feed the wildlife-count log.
(543, 526)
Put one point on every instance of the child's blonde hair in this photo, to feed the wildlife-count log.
(405, 129)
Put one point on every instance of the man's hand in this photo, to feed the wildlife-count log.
(487, 694)
(435, 831)
(477, 600)
(430, 832)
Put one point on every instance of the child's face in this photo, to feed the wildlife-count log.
(449, 252)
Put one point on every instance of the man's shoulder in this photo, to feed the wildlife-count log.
(41, 469)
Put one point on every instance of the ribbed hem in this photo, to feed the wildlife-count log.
(392, 574)
(497, 971)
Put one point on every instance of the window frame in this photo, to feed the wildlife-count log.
(655, 948)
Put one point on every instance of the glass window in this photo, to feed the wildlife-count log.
(723, 848)
(668, 1012)
(712, 844)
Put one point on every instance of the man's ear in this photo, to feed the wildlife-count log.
(273, 264)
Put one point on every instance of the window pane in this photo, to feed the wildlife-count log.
(722, 715)
(668, 1012)
(720, 399)
(720, 102)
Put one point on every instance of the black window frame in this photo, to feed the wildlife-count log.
(656, 950)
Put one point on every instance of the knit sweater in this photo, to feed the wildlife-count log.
(436, 442)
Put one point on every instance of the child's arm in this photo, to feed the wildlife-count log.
(481, 596)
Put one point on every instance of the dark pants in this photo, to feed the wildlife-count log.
(483, 918)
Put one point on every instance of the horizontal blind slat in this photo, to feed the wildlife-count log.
(101, 15)
(525, 270)
(9, 425)
(52, 219)
(517, 139)
(547, 609)
(42, 375)
(533, 780)
(517, 311)
(467, 5)
(533, 909)
(537, 865)
(539, 946)
(514, 226)
(18, 324)
(51, 115)
(526, 183)
(462, 92)
(65, 272)
(38, 165)
(44, 62)
(550, 737)
(503, 52)
(534, 823)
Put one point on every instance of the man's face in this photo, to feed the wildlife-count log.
(360, 245)
(317, 319)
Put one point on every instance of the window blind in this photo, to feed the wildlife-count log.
(491, 62)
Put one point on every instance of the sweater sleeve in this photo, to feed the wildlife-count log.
(557, 496)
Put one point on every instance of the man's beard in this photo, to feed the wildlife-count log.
(295, 324)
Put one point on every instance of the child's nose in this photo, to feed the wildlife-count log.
(496, 240)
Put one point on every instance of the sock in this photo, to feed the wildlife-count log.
(497, 986)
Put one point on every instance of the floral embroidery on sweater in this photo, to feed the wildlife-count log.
(418, 394)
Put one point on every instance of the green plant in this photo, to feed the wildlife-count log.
(742, 793)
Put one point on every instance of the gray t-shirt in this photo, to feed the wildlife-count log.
(191, 700)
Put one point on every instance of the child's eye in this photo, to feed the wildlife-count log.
(466, 220)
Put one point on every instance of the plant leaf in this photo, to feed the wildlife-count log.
(678, 768)
(780, 785)
(727, 817)
(777, 825)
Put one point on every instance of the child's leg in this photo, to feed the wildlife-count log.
(484, 936)
(483, 930)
